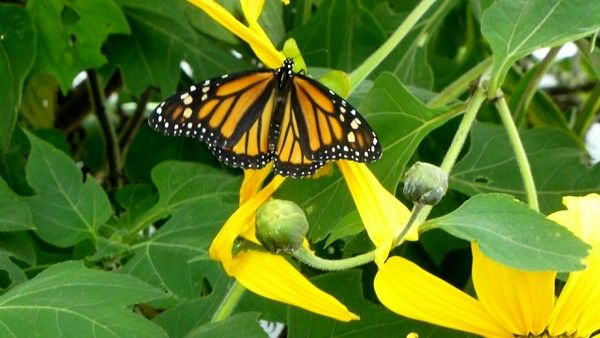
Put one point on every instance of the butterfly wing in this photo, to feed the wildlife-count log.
(331, 128)
(317, 126)
(232, 114)
(291, 158)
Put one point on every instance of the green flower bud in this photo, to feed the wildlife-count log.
(281, 226)
(425, 183)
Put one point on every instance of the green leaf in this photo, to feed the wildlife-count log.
(375, 320)
(181, 183)
(18, 245)
(136, 200)
(149, 148)
(69, 300)
(65, 209)
(181, 319)
(555, 159)
(511, 233)
(239, 325)
(392, 111)
(40, 101)
(409, 60)
(14, 272)
(164, 260)
(14, 214)
(71, 34)
(17, 53)
(160, 39)
(339, 35)
(515, 28)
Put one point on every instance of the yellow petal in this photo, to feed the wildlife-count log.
(252, 9)
(522, 301)
(578, 307)
(253, 180)
(382, 214)
(261, 45)
(273, 277)
(240, 222)
(410, 291)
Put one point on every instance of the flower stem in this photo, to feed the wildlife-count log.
(369, 65)
(228, 304)
(463, 130)
(458, 142)
(453, 90)
(519, 151)
(533, 85)
(414, 214)
(308, 258)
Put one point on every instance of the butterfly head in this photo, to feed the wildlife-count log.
(288, 64)
(285, 73)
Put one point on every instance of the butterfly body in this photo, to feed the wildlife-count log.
(249, 119)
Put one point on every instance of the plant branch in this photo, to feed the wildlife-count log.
(134, 122)
(229, 302)
(456, 88)
(308, 258)
(369, 65)
(457, 144)
(110, 137)
(532, 86)
(519, 151)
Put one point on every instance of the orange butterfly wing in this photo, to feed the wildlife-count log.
(232, 114)
(317, 126)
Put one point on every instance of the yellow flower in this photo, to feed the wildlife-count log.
(509, 302)
(263, 273)
(253, 34)
(382, 214)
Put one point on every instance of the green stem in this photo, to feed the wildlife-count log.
(588, 113)
(369, 65)
(463, 130)
(458, 142)
(308, 258)
(228, 304)
(519, 151)
(415, 212)
(533, 84)
(453, 90)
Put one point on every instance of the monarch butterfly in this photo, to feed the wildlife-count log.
(251, 118)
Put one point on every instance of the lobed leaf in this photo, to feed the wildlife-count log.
(14, 214)
(71, 34)
(160, 39)
(69, 300)
(65, 209)
(515, 28)
(167, 259)
(556, 164)
(17, 50)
